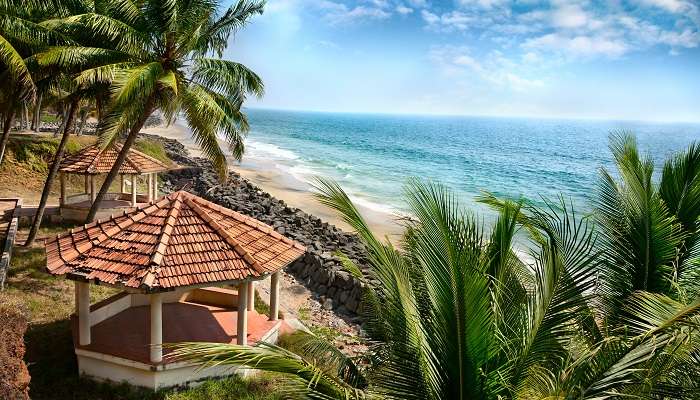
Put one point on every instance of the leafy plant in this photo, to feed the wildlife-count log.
(458, 315)
(155, 56)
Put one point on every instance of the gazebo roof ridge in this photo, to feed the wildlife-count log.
(94, 159)
(179, 240)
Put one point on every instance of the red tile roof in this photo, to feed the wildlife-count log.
(95, 160)
(181, 240)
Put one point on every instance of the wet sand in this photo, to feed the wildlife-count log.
(285, 187)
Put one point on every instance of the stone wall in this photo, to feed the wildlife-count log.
(319, 269)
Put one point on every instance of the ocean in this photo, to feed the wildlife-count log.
(374, 156)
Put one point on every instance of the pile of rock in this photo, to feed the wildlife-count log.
(319, 269)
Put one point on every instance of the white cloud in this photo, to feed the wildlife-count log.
(531, 57)
(578, 46)
(448, 22)
(648, 34)
(674, 6)
(403, 10)
(339, 13)
(482, 3)
(569, 16)
(493, 68)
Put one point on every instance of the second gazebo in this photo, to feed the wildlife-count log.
(93, 161)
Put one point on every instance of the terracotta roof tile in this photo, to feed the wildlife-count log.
(95, 160)
(181, 240)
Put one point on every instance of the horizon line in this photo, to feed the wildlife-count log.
(548, 117)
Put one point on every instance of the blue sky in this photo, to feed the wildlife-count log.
(614, 59)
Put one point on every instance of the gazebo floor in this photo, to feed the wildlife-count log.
(127, 334)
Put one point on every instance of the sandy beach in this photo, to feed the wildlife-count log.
(285, 187)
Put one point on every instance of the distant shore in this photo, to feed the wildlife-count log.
(285, 187)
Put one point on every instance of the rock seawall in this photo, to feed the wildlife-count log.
(319, 269)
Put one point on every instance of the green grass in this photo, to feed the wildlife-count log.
(264, 386)
(49, 118)
(153, 149)
(35, 152)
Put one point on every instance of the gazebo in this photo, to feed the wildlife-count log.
(93, 161)
(178, 261)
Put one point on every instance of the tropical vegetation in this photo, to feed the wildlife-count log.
(131, 59)
(607, 308)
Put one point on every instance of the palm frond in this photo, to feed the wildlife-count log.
(314, 382)
(228, 77)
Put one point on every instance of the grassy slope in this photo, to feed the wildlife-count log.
(49, 301)
(23, 172)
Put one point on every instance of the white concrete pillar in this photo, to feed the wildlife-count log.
(83, 313)
(251, 296)
(62, 178)
(76, 292)
(123, 184)
(150, 187)
(156, 327)
(93, 194)
(242, 328)
(274, 296)
(155, 185)
(133, 190)
(87, 184)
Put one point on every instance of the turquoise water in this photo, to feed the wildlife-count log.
(373, 156)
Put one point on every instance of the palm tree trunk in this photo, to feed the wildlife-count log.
(36, 120)
(9, 121)
(83, 117)
(36, 223)
(63, 122)
(112, 175)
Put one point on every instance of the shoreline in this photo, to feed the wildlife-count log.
(282, 185)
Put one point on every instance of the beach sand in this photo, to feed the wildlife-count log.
(285, 187)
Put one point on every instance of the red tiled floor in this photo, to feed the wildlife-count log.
(127, 334)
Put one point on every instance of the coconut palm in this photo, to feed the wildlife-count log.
(457, 315)
(73, 97)
(18, 37)
(156, 56)
(650, 233)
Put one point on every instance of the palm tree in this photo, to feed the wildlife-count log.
(650, 231)
(154, 54)
(457, 315)
(73, 98)
(18, 36)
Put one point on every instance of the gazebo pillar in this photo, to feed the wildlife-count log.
(155, 185)
(93, 194)
(123, 184)
(62, 178)
(83, 306)
(133, 190)
(274, 295)
(251, 296)
(87, 183)
(242, 327)
(156, 327)
(150, 187)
